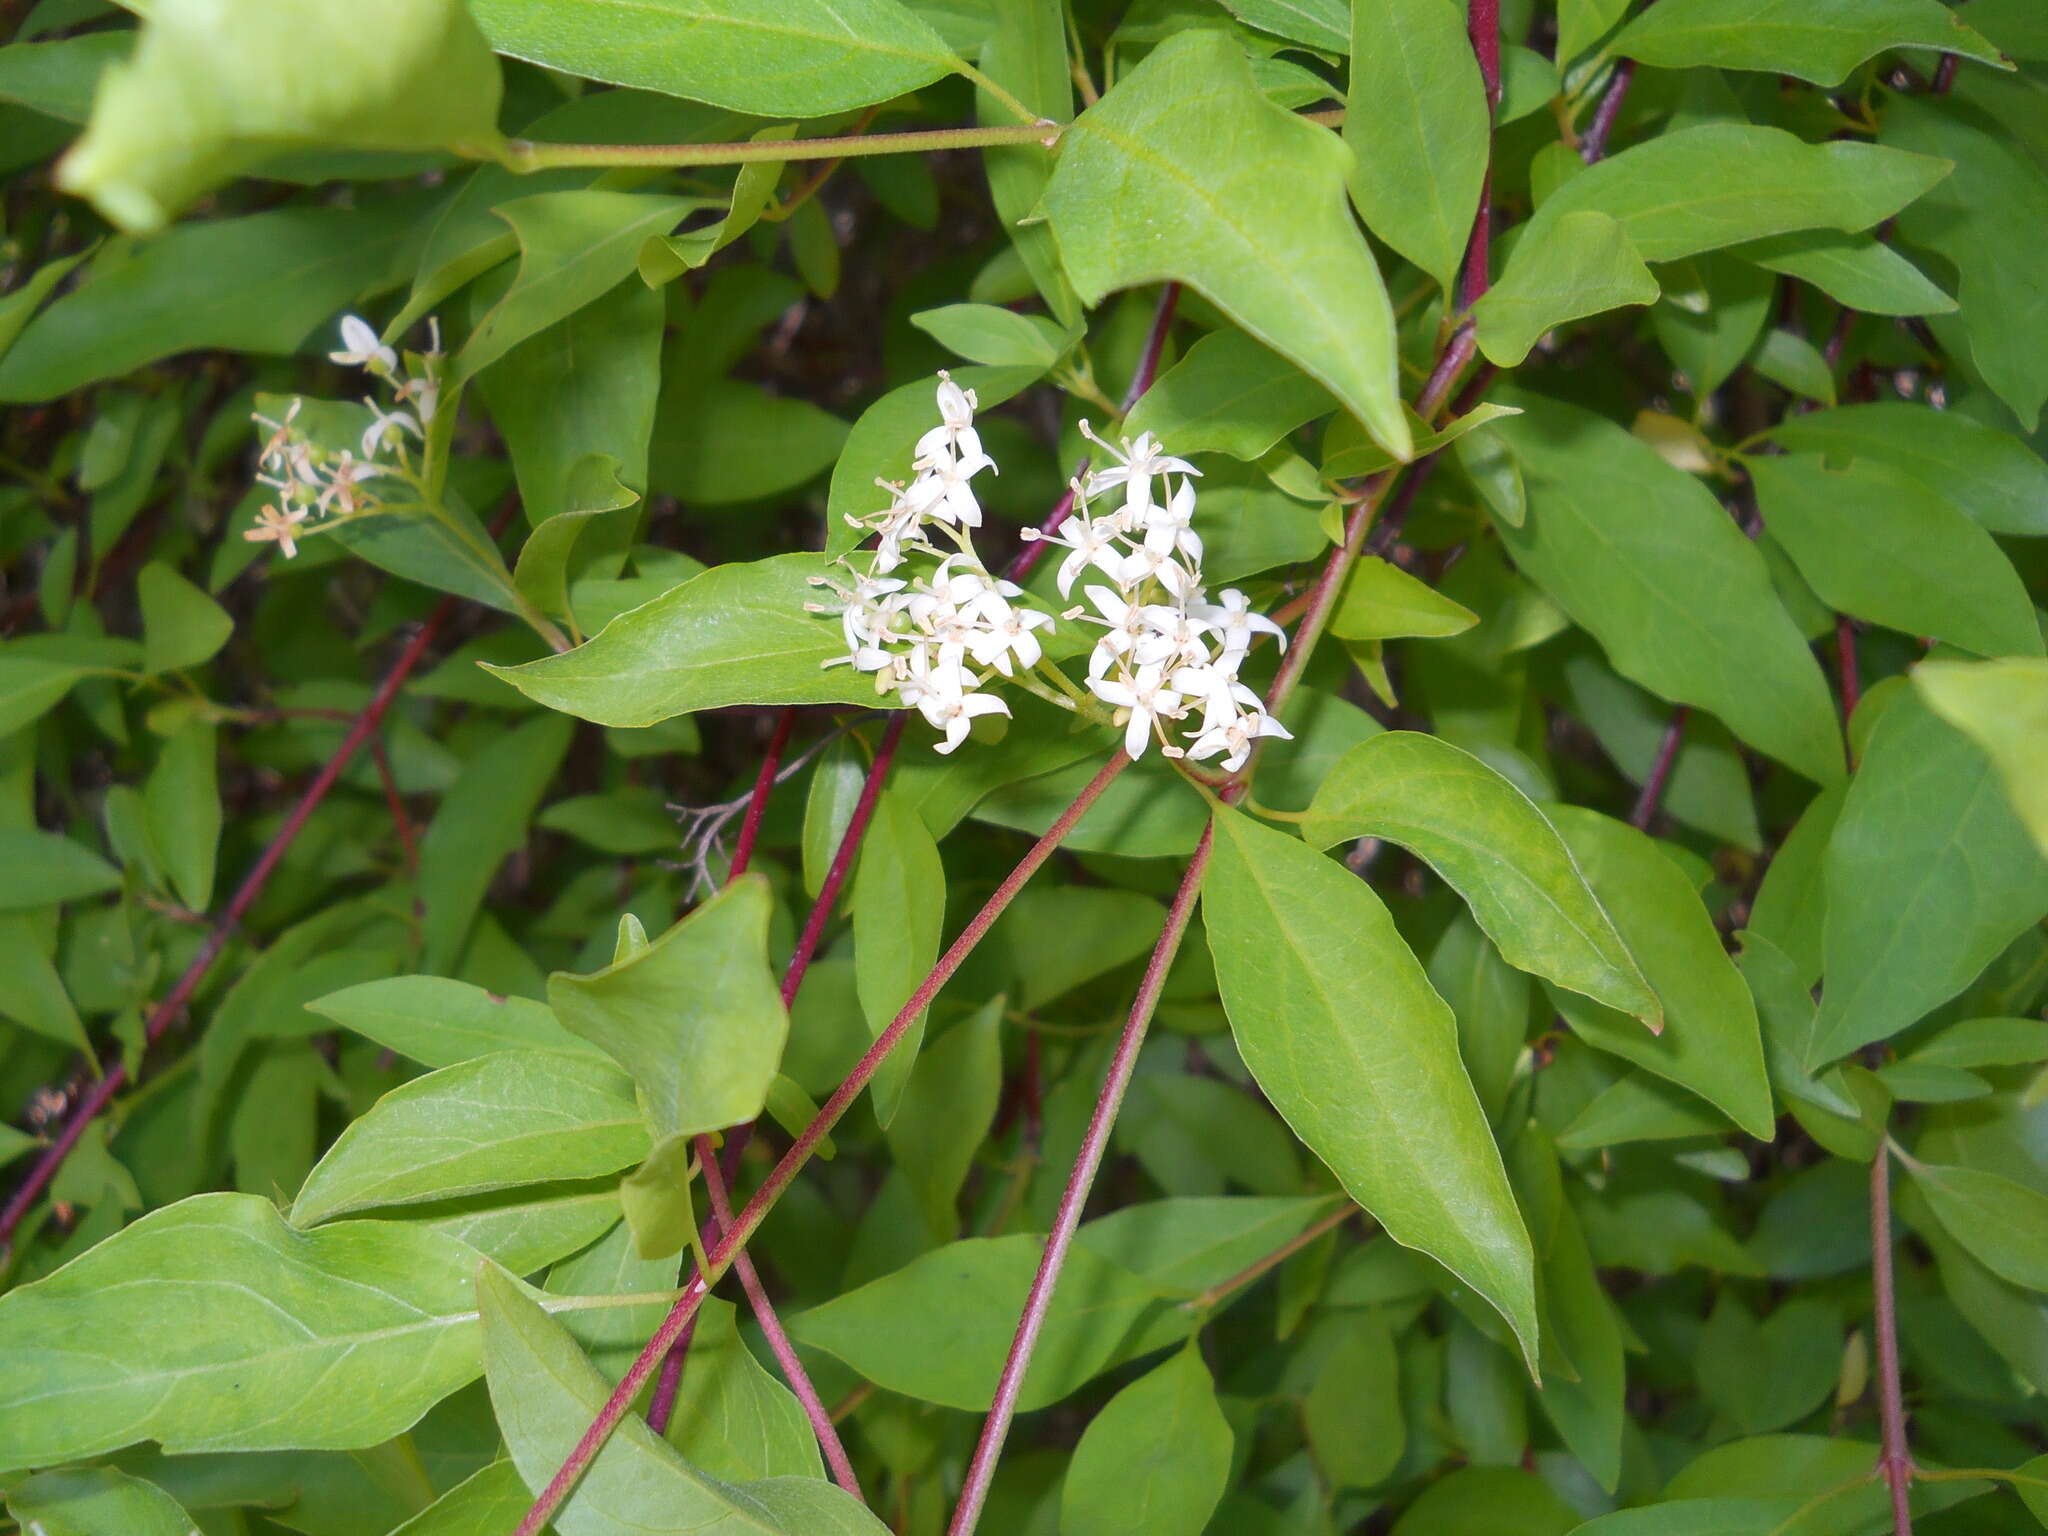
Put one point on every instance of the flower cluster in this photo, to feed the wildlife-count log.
(316, 481)
(1167, 653)
(937, 635)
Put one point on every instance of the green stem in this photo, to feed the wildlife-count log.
(1003, 98)
(524, 155)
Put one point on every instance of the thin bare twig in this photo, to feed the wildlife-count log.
(1895, 1460)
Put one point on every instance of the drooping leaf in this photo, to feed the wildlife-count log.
(777, 58)
(438, 1022)
(1711, 1042)
(2002, 1222)
(737, 634)
(2002, 706)
(1994, 478)
(899, 914)
(253, 1336)
(1353, 1409)
(95, 1501)
(182, 800)
(1980, 219)
(938, 1329)
(945, 1110)
(1381, 601)
(1817, 40)
(1697, 189)
(1859, 271)
(1583, 266)
(1929, 875)
(482, 819)
(546, 1393)
(990, 334)
(1418, 125)
(181, 626)
(1495, 848)
(1874, 542)
(481, 1504)
(1624, 542)
(696, 1016)
(1343, 1032)
(495, 1122)
(1156, 1458)
(733, 1418)
(215, 89)
(1228, 394)
(1169, 176)
(45, 868)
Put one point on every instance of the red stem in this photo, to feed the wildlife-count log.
(1660, 771)
(663, 1404)
(996, 1427)
(757, 803)
(395, 803)
(735, 1237)
(1845, 653)
(1593, 145)
(778, 1341)
(1896, 1458)
(1482, 25)
(101, 1092)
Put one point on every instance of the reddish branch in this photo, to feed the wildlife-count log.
(757, 803)
(736, 1235)
(996, 1427)
(116, 1078)
(1895, 1460)
(1654, 786)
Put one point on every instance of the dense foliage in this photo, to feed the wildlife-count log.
(819, 766)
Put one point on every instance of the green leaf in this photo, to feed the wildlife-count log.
(734, 1419)
(1228, 394)
(1353, 1410)
(2003, 1223)
(1343, 1032)
(1170, 176)
(945, 1111)
(1502, 1501)
(580, 393)
(546, 1393)
(1709, 321)
(181, 626)
(696, 1016)
(574, 247)
(753, 189)
(2002, 706)
(438, 1022)
(1711, 1043)
(1802, 1340)
(511, 1118)
(1418, 124)
(182, 801)
(736, 634)
(247, 1335)
(724, 440)
(483, 818)
(1930, 875)
(1796, 364)
(1584, 266)
(882, 442)
(213, 90)
(44, 869)
(1487, 839)
(1982, 218)
(1583, 1396)
(35, 997)
(938, 1329)
(899, 915)
(775, 58)
(1986, 1043)
(1993, 477)
(1156, 1458)
(1055, 938)
(987, 333)
(256, 284)
(1696, 1517)
(1319, 23)
(1698, 189)
(482, 1504)
(1625, 543)
(661, 1212)
(1857, 271)
(1817, 40)
(1876, 543)
(1382, 602)
(95, 1501)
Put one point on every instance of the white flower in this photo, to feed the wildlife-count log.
(1168, 527)
(1235, 739)
(1223, 697)
(1233, 621)
(954, 435)
(941, 489)
(360, 348)
(1146, 564)
(1148, 699)
(1171, 637)
(954, 714)
(1009, 634)
(1089, 541)
(279, 528)
(1137, 464)
(1126, 626)
(387, 427)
